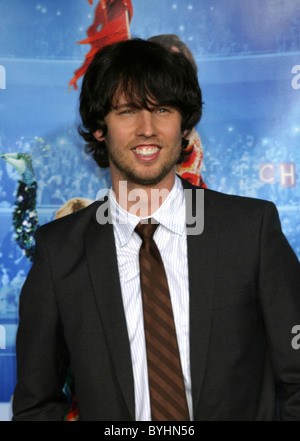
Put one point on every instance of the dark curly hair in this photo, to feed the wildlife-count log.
(147, 73)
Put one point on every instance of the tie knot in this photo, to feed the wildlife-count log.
(146, 231)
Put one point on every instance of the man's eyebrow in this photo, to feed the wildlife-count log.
(123, 106)
(133, 105)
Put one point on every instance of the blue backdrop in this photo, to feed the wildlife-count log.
(248, 56)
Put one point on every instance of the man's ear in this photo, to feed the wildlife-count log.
(186, 133)
(99, 135)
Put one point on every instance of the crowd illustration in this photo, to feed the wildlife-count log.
(60, 175)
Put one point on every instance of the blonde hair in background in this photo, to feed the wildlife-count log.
(74, 204)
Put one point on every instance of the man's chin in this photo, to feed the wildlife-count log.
(149, 180)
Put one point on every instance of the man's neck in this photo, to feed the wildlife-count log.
(141, 200)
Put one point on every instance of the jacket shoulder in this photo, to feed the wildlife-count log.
(241, 208)
(235, 200)
(71, 224)
(222, 203)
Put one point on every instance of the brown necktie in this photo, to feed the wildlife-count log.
(167, 391)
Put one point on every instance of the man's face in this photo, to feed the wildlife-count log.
(143, 145)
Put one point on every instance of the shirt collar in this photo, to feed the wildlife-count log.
(171, 214)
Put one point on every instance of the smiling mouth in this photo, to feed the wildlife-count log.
(146, 151)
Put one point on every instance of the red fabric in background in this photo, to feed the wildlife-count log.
(111, 24)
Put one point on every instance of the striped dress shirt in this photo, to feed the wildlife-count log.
(170, 238)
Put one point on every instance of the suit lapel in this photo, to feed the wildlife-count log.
(201, 264)
(103, 269)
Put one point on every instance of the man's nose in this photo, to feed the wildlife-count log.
(146, 124)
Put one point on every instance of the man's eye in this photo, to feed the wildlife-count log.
(126, 112)
(163, 110)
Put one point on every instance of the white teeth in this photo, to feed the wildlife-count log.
(146, 151)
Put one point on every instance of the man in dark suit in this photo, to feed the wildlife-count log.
(234, 285)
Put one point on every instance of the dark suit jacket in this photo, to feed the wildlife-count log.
(244, 301)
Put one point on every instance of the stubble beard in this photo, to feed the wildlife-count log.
(131, 175)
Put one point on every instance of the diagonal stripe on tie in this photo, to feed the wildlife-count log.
(166, 384)
(160, 319)
(167, 394)
(168, 377)
(161, 334)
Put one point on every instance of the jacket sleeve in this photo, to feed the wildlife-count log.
(42, 358)
(279, 288)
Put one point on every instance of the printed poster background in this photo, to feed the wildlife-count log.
(248, 58)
